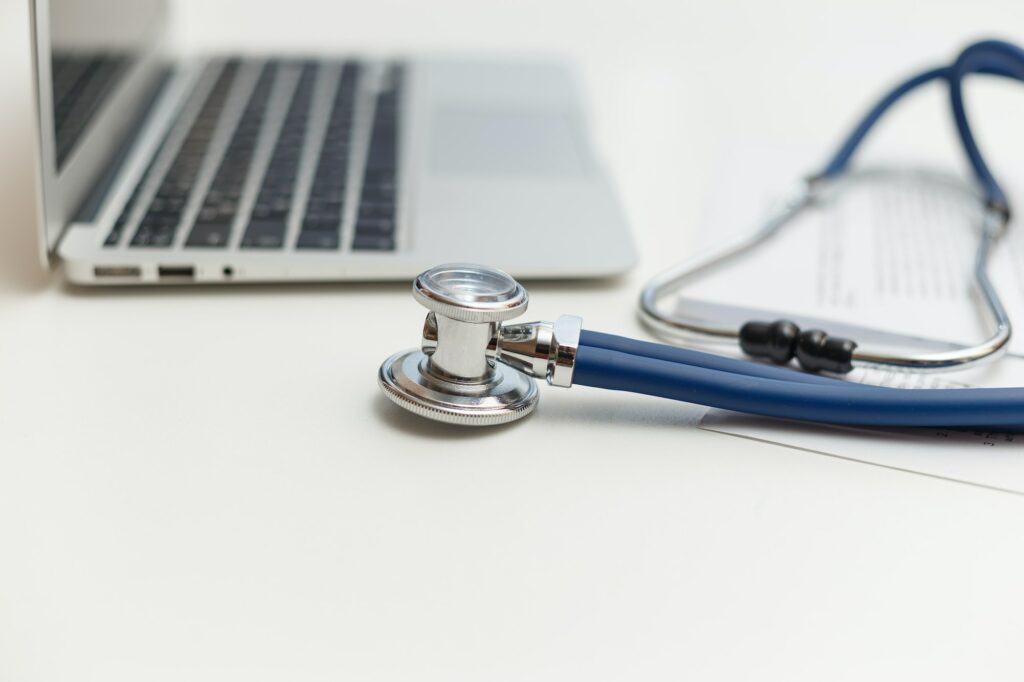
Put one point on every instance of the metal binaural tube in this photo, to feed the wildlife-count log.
(682, 326)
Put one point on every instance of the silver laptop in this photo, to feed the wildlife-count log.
(156, 168)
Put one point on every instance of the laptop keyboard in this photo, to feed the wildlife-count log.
(281, 180)
(160, 222)
(268, 222)
(375, 225)
(321, 221)
(213, 224)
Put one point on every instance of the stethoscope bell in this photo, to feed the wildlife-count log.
(454, 376)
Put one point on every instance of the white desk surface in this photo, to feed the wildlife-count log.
(206, 484)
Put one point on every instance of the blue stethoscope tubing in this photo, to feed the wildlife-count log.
(622, 364)
(987, 57)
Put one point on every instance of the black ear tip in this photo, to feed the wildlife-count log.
(782, 340)
(816, 351)
(775, 341)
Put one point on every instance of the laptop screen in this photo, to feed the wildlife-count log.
(92, 45)
(96, 64)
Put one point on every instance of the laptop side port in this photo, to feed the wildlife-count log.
(117, 272)
(177, 272)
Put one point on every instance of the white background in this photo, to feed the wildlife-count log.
(205, 484)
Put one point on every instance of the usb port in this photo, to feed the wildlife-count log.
(122, 271)
(176, 272)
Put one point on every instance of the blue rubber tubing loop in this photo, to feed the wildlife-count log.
(849, 404)
(841, 159)
(989, 57)
(659, 351)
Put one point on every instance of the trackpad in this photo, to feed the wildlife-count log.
(506, 141)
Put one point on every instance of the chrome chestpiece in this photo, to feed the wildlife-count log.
(471, 369)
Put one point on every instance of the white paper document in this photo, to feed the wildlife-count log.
(992, 460)
(893, 254)
(896, 258)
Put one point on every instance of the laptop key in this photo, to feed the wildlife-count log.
(269, 217)
(370, 210)
(162, 239)
(318, 240)
(160, 223)
(209, 235)
(114, 238)
(321, 222)
(267, 234)
(370, 242)
(213, 225)
(376, 227)
(375, 222)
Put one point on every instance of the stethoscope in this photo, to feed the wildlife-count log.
(474, 369)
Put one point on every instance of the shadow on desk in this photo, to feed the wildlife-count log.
(394, 417)
(20, 266)
(623, 410)
(538, 287)
(591, 407)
